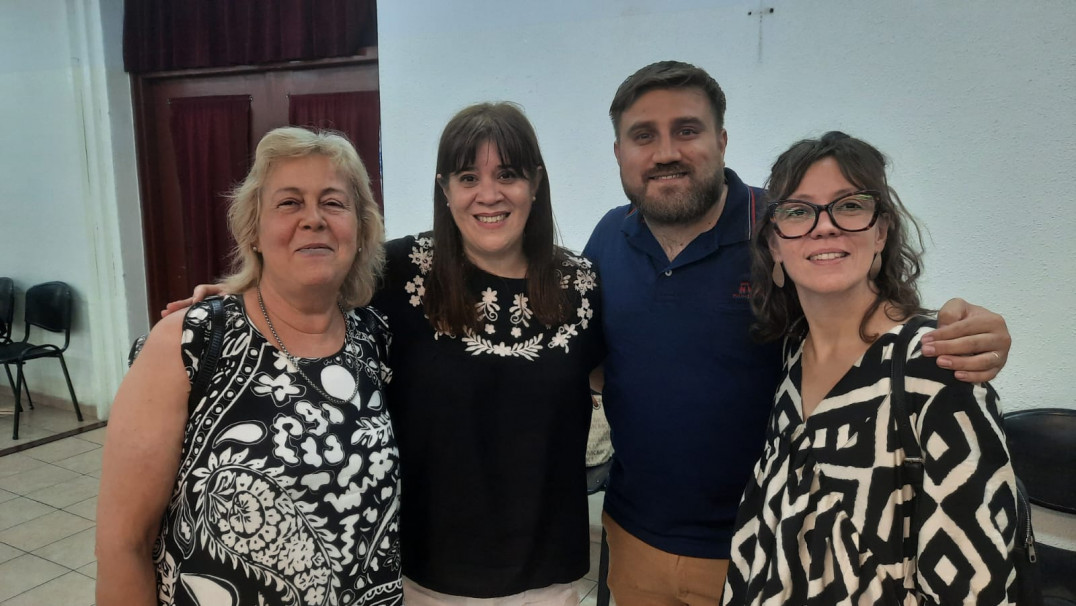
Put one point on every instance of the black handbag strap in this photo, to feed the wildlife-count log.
(212, 353)
(913, 455)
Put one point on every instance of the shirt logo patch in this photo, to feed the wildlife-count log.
(744, 292)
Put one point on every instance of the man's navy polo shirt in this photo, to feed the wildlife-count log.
(687, 391)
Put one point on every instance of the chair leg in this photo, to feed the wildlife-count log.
(10, 379)
(70, 388)
(26, 390)
(603, 572)
(25, 385)
(18, 405)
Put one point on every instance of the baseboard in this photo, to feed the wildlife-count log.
(24, 445)
(7, 400)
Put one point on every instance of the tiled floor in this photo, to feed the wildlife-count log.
(48, 503)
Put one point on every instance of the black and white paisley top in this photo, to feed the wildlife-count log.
(824, 519)
(492, 429)
(281, 496)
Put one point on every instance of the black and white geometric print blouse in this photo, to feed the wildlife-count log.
(826, 516)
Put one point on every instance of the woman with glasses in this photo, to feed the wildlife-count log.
(829, 516)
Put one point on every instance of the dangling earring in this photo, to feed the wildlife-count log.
(876, 267)
(778, 275)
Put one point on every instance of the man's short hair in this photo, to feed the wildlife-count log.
(665, 75)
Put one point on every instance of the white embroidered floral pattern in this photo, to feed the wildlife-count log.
(521, 314)
(520, 337)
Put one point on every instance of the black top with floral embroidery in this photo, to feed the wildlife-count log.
(492, 429)
(282, 497)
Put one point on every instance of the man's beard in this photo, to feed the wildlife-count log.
(680, 208)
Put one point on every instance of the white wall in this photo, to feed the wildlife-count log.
(68, 187)
(975, 104)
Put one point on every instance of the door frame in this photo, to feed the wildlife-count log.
(303, 76)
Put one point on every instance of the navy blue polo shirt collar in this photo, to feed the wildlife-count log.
(733, 226)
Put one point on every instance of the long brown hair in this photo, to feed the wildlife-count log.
(778, 309)
(449, 303)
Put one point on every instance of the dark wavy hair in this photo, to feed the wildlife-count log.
(665, 75)
(449, 303)
(778, 310)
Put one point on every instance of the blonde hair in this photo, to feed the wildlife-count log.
(244, 211)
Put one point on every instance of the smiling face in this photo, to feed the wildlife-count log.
(308, 227)
(828, 260)
(672, 155)
(490, 203)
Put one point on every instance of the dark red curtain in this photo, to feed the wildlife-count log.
(161, 35)
(211, 137)
(357, 115)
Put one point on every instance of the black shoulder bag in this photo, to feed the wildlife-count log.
(209, 358)
(1028, 575)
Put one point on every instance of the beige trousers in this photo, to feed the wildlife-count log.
(641, 575)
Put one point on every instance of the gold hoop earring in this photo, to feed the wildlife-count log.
(778, 275)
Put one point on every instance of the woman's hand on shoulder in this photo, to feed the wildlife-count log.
(970, 340)
(200, 293)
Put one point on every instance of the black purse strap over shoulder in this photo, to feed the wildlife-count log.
(209, 358)
(913, 455)
(212, 354)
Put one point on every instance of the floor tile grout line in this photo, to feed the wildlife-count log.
(27, 452)
(93, 528)
(29, 498)
(40, 584)
(80, 475)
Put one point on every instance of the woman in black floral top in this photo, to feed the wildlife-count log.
(495, 331)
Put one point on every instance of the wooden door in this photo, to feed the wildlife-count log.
(168, 236)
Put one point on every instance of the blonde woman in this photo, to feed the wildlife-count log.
(280, 484)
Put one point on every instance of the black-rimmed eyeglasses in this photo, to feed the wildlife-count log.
(857, 211)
